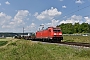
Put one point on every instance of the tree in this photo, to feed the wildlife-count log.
(76, 28)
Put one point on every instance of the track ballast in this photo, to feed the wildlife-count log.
(76, 44)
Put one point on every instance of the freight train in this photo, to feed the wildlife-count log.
(53, 34)
(50, 34)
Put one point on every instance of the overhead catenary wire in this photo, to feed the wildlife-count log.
(77, 10)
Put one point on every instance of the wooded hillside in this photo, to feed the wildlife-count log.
(69, 28)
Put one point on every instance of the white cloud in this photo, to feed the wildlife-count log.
(8, 3)
(53, 23)
(36, 14)
(87, 20)
(64, 6)
(20, 17)
(48, 14)
(79, 1)
(4, 19)
(18, 20)
(31, 27)
(73, 19)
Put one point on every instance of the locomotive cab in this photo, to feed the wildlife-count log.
(57, 34)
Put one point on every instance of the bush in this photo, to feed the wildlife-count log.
(3, 43)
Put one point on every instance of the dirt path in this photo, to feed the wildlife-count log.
(9, 41)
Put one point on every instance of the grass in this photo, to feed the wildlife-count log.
(68, 53)
(27, 50)
(84, 39)
(3, 43)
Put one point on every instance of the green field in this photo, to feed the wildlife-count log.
(17, 49)
(83, 39)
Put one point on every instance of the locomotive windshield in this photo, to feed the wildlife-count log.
(56, 30)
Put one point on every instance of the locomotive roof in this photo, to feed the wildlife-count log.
(55, 28)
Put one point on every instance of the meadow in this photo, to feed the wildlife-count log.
(19, 49)
(83, 39)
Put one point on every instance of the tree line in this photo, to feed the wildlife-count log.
(70, 28)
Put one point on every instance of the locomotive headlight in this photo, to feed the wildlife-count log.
(54, 33)
(60, 33)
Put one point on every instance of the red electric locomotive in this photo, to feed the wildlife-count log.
(50, 34)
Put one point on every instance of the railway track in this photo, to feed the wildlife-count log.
(78, 44)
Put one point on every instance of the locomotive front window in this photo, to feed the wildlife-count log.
(56, 30)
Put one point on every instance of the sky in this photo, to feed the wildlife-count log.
(33, 14)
